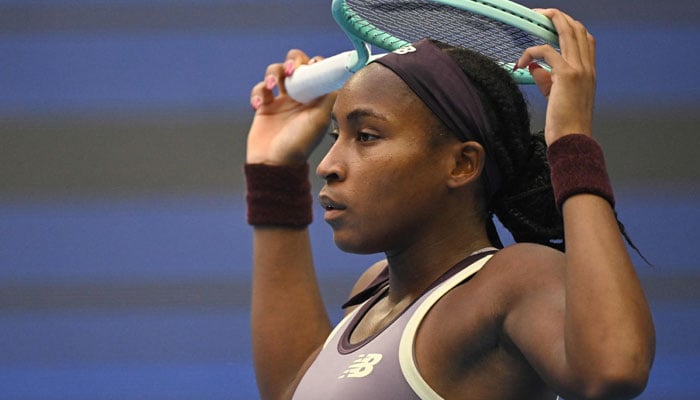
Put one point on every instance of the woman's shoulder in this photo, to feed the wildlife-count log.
(367, 284)
(519, 268)
(528, 255)
(517, 275)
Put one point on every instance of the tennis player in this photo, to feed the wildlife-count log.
(430, 143)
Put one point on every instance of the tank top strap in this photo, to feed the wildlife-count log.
(406, 344)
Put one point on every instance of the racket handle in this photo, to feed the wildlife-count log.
(311, 81)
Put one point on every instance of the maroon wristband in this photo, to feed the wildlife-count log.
(278, 195)
(577, 166)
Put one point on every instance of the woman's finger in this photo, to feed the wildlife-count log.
(274, 74)
(583, 42)
(260, 95)
(591, 47)
(543, 52)
(568, 42)
(542, 78)
(576, 43)
(295, 58)
(266, 92)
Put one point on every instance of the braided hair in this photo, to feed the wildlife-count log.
(525, 202)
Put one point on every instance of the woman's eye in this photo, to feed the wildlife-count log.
(365, 137)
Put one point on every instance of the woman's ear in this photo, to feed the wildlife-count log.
(466, 164)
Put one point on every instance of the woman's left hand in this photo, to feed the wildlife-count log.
(570, 86)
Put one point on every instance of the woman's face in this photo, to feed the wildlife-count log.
(386, 172)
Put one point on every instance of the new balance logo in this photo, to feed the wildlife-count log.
(405, 49)
(362, 366)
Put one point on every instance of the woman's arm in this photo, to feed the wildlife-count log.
(601, 344)
(288, 318)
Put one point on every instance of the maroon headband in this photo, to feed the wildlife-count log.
(442, 85)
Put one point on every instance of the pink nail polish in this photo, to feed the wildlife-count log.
(270, 82)
(255, 102)
(288, 68)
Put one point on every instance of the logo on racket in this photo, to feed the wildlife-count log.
(405, 49)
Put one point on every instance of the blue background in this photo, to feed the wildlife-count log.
(124, 256)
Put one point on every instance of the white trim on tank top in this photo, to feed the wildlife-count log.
(343, 322)
(406, 349)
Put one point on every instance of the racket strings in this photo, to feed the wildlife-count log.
(374, 35)
(411, 21)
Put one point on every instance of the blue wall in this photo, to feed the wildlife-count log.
(109, 290)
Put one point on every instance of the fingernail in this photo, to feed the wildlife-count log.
(515, 67)
(311, 61)
(255, 102)
(288, 68)
(270, 82)
(533, 66)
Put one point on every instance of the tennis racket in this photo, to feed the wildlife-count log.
(499, 29)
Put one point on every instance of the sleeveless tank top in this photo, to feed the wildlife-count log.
(383, 365)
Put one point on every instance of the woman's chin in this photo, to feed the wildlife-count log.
(354, 246)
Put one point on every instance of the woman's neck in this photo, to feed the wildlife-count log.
(414, 269)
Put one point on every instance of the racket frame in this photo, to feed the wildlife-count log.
(360, 32)
(310, 82)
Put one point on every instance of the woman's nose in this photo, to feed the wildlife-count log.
(330, 168)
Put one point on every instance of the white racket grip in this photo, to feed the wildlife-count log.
(312, 81)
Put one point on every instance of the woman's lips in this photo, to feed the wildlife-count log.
(333, 208)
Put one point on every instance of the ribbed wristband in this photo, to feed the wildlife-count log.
(278, 195)
(577, 166)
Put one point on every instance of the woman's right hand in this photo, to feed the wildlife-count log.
(284, 131)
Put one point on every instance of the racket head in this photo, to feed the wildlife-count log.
(499, 29)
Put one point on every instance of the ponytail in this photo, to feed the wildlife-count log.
(525, 202)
